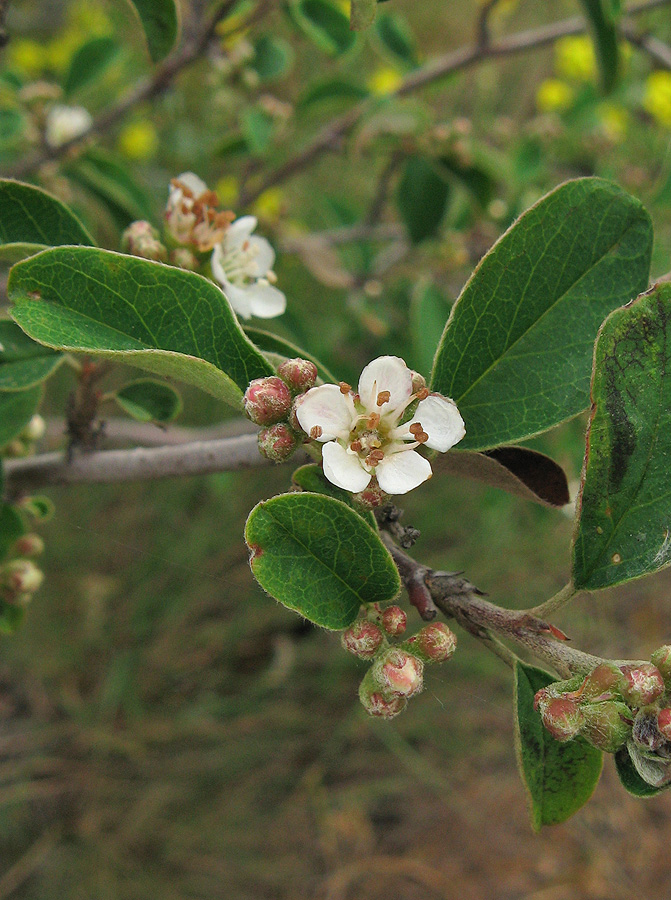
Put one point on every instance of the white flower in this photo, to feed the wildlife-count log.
(361, 433)
(242, 264)
(65, 123)
(191, 215)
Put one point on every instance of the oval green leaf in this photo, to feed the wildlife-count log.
(280, 349)
(630, 779)
(17, 409)
(311, 478)
(559, 778)
(325, 23)
(148, 400)
(624, 527)
(517, 349)
(161, 319)
(89, 63)
(421, 198)
(318, 557)
(23, 363)
(160, 21)
(396, 39)
(33, 219)
(109, 180)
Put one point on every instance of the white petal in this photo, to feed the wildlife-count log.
(195, 184)
(263, 256)
(266, 301)
(328, 408)
(386, 373)
(344, 469)
(441, 420)
(400, 472)
(239, 231)
(238, 298)
(217, 267)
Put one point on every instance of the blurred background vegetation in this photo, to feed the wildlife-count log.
(165, 728)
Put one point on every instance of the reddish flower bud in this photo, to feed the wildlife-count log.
(362, 639)
(605, 683)
(267, 400)
(646, 731)
(398, 672)
(394, 620)
(372, 496)
(435, 643)
(20, 576)
(184, 258)
(662, 659)
(607, 725)
(277, 442)
(140, 239)
(563, 718)
(541, 699)
(642, 684)
(299, 374)
(378, 702)
(664, 722)
(28, 545)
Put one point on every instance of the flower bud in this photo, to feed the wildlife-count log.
(362, 639)
(35, 429)
(642, 684)
(418, 381)
(16, 449)
(607, 725)
(20, 576)
(141, 239)
(184, 258)
(267, 400)
(434, 643)
(664, 722)
(646, 732)
(398, 672)
(563, 718)
(371, 496)
(394, 620)
(277, 443)
(28, 545)
(378, 702)
(299, 374)
(662, 659)
(604, 683)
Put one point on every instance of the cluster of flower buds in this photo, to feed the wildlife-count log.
(142, 239)
(397, 670)
(20, 577)
(613, 705)
(24, 443)
(270, 402)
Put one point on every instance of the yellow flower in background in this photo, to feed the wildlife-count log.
(384, 81)
(345, 6)
(138, 140)
(575, 58)
(27, 56)
(657, 97)
(614, 121)
(554, 95)
(88, 17)
(227, 189)
(269, 205)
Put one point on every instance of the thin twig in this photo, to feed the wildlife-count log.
(656, 49)
(331, 136)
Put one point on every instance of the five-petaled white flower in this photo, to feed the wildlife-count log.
(362, 434)
(65, 123)
(191, 215)
(242, 263)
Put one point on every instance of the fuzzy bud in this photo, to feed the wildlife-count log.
(418, 382)
(184, 258)
(642, 684)
(604, 683)
(662, 659)
(299, 374)
(646, 732)
(277, 443)
(141, 239)
(371, 496)
(394, 620)
(28, 545)
(20, 576)
(267, 400)
(607, 725)
(563, 718)
(362, 639)
(35, 429)
(434, 643)
(378, 702)
(398, 672)
(664, 722)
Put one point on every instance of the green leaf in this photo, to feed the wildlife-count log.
(17, 409)
(257, 127)
(12, 527)
(362, 14)
(23, 363)
(421, 198)
(517, 349)
(160, 21)
(428, 313)
(12, 125)
(317, 556)
(277, 348)
(273, 57)
(148, 400)
(476, 176)
(602, 16)
(32, 219)
(333, 89)
(629, 777)
(559, 778)
(161, 319)
(11, 617)
(89, 63)
(311, 478)
(40, 508)
(108, 178)
(396, 39)
(325, 23)
(624, 529)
